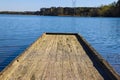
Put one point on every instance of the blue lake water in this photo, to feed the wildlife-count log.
(17, 32)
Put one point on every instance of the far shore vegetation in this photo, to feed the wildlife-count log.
(111, 10)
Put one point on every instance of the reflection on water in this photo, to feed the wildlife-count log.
(17, 32)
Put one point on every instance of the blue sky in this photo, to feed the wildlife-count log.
(33, 5)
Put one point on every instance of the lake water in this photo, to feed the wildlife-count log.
(17, 32)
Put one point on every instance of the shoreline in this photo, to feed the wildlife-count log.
(59, 15)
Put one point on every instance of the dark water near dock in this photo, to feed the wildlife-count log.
(17, 32)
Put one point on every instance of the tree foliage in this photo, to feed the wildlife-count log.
(111, 10)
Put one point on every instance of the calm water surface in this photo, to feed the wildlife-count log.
(17, 32)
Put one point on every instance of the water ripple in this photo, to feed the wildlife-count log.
(17, 32)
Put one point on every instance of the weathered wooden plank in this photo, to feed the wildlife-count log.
(59, 56)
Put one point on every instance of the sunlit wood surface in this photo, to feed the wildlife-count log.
(53, 57)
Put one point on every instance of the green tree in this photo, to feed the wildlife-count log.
(104, 11)
(108, 10)
(118, 3)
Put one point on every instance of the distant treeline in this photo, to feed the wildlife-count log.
(69, 11)
(21, 13)
(111, 10)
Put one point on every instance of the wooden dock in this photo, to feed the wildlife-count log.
(59, 56)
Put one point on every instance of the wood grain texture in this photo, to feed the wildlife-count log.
(53, 57)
